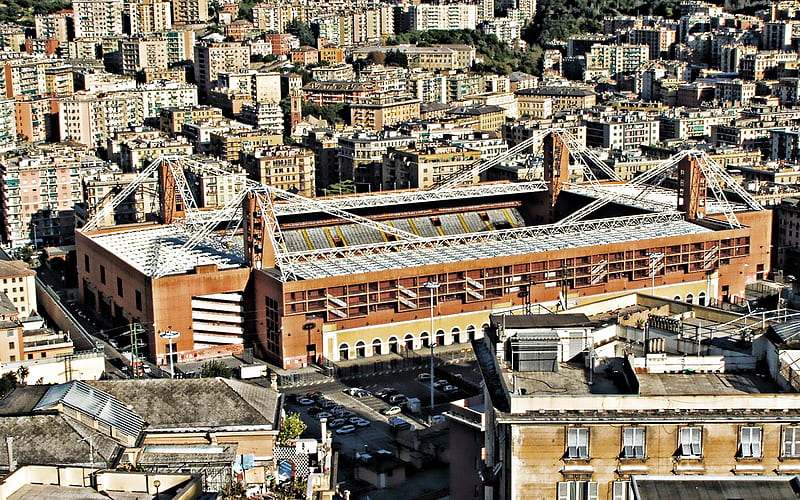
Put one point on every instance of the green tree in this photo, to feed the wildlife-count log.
(22, 373)
(214, 368)
(377, 58)
(396, 58)
(7, 383)
(292, 427)
(301, 31)
(343, 187)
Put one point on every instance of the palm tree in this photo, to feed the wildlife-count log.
(22, 374)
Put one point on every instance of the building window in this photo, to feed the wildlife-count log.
(621, 490)
(791, 441)
(119, 287)
(690, 442)
(103, 274)
(138, 300)
(577, 490)
(11, 345)
(633, 442)
(577, 443)
(750, 442)
(86, 263)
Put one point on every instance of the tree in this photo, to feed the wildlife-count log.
(396, 58)
(213, 369)
(301, 31)
(292, 427)
(22, 373)
(7, 383)
(377, 58)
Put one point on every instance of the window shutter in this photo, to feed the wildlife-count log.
(744, 438)
(591, 490)
(563, 491)
(755, 439)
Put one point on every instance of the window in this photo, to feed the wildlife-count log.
(577, 490)
(633, 442)
(86, 262)
(119, 287)
(621, 490)
(138, 300)
(791, 441)
(578, 442)
(103, 274)
(11, 345)
(690, 440)
(750, 442)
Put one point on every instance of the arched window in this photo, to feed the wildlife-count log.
(361, 349)
(470, 332)
(393, 344)
(425, 339)
(677, 297)
(440, 337)
(689, 298)
(484, 328)
(409, 341)
(376, 347)
(701, 298)
(344, 352)
(456, 335)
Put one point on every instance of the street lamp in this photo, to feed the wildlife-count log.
(169, 335)
(432, 286)
(654, 258)
(157, 484)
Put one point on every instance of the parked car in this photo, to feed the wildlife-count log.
(305, 401)
(327, 403)
(323, 414)
(449, 388)
(337, 422)
(386, 392)
(399, 424)
(314, 410)
(392, 410)
(346, 429)
(359, 422)
(424, 377)
(398, 399)
(440, 383)
(438, 419)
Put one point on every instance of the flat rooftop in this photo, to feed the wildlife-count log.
(158, 250)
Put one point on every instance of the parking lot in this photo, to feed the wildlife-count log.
(366, 405)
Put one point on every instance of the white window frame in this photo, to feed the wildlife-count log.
(690, 442)
(577, 490)
(621, 490)
(750, 442)
(633, 439)
(791, 441)
(577, 443)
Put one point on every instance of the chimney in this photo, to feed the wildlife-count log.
(12, 464)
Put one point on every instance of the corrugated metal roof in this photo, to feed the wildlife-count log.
(716, 488)
(94, 403)
(787, 331)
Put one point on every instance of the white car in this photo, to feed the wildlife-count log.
(323, 414)
(449, 388)
(346, 429)
(392, 410)
(424, 377)
(305, 401)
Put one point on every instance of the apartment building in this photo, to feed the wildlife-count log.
(737, 92)
(378, 111)
(189, 11)
(623, 58)
(149, 16)
(282, 43)
(140, 206)
(427, 86)
(212, 58)
(360, 157)
(19, 287)
(453, 16)
(264, 116)
(562, 98)
(576, 431)
(285, 167)
(622, 132)
(336, 92)
(334, 72)
(217, 190)
(261, 86)
(433, 58)
(483, 118)
(140, 53)
(425, 164)
(171, 120)
(56, 26)
(228, 145)
(136, 154)
(39, 194)
(691, 123)
(36, 119)
(658, 39)
(97, 18)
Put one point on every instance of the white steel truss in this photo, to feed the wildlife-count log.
(713, 172)
(579, 152)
